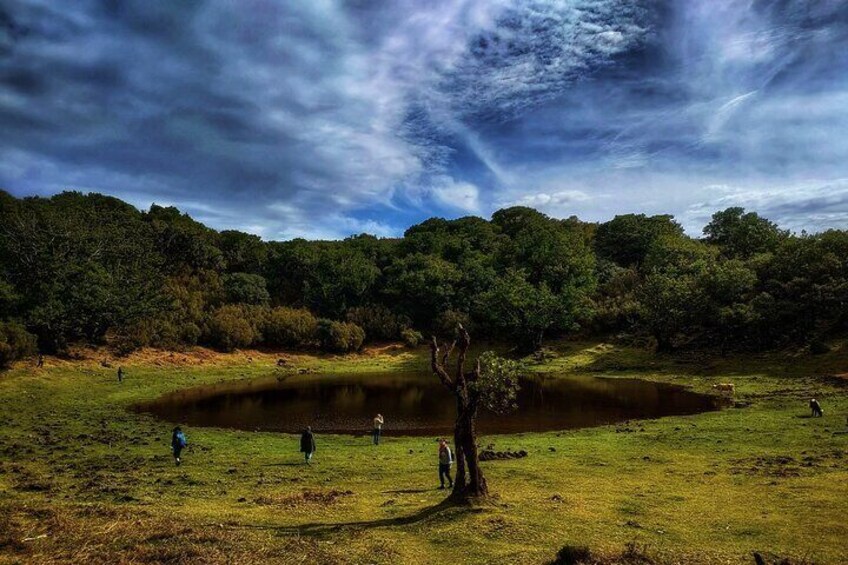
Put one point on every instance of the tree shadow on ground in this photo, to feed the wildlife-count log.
(447, 509)
(407, 491)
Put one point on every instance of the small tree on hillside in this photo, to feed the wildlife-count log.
(493, 384)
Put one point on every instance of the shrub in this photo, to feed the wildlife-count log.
(289, 327)
(341, 337)
(164, 332)
(411, 337)
(378, 321)
(15, 343)
(232, 326)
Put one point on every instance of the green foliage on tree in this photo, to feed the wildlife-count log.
(740, 234)
(498, 384)
(245, 288)
(378, 321)
(670, 304)
(626, 239)
(523, 312)
(243, 252)
(89, 268)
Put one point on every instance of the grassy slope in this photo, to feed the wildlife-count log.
(98, 480)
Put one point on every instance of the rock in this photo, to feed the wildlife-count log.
(488, 455)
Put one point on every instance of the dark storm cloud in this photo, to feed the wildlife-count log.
(328, 118)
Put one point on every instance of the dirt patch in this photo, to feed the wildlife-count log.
(94, 534)
(104, 358)
(786, 466)
(306, 497)
(767, 466)
(771, 559)
(633, 554)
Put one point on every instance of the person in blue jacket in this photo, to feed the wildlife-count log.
(178, 443)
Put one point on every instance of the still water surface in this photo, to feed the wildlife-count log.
(417, 404)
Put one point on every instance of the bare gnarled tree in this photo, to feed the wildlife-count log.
(491, 383)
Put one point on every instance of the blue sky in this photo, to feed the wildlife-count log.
(326, 118)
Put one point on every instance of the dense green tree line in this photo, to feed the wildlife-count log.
(93, 269)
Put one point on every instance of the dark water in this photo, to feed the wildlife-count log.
(417, 404)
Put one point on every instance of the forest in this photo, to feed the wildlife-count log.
(90, 269)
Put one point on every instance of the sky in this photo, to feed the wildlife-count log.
(326, 118)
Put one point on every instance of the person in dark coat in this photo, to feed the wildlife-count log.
(178, 443)
(120, 374)
(816, 408)
(40, 361)
(307, 444)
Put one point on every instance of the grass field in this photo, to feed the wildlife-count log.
(85, 480)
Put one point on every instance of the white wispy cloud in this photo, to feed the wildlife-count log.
(303, 118)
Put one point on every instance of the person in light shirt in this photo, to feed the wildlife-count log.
(378, 428)
(445, 462)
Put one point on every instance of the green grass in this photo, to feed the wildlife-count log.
(92, 481)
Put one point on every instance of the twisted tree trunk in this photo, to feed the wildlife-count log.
(469, 482)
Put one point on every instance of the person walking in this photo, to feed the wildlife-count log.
(816, 408)
(40, 361)
(120, 374)
(378, 428)
(307, 444)
(178, 443)
(445, 462)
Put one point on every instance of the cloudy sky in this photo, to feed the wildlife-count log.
(324, 118)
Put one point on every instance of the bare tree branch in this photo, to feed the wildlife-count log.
(439, 367)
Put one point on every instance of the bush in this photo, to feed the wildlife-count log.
(232, 326)
(341, 337)
(411, 337)
(378, 322)
(15, 343)
(289, 327)
(164, 332)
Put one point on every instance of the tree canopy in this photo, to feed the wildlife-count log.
(90, 268)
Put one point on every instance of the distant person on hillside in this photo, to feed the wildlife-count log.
(445, 462)
(816, 408)
(120, 374)
(378, 428)
(307, 444)
(178, 443)
(40, 363)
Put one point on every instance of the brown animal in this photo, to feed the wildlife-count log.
(729, 388)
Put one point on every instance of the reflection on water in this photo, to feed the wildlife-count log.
(417, 404)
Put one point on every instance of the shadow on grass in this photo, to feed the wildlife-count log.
(407, 491)
(447, 509)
